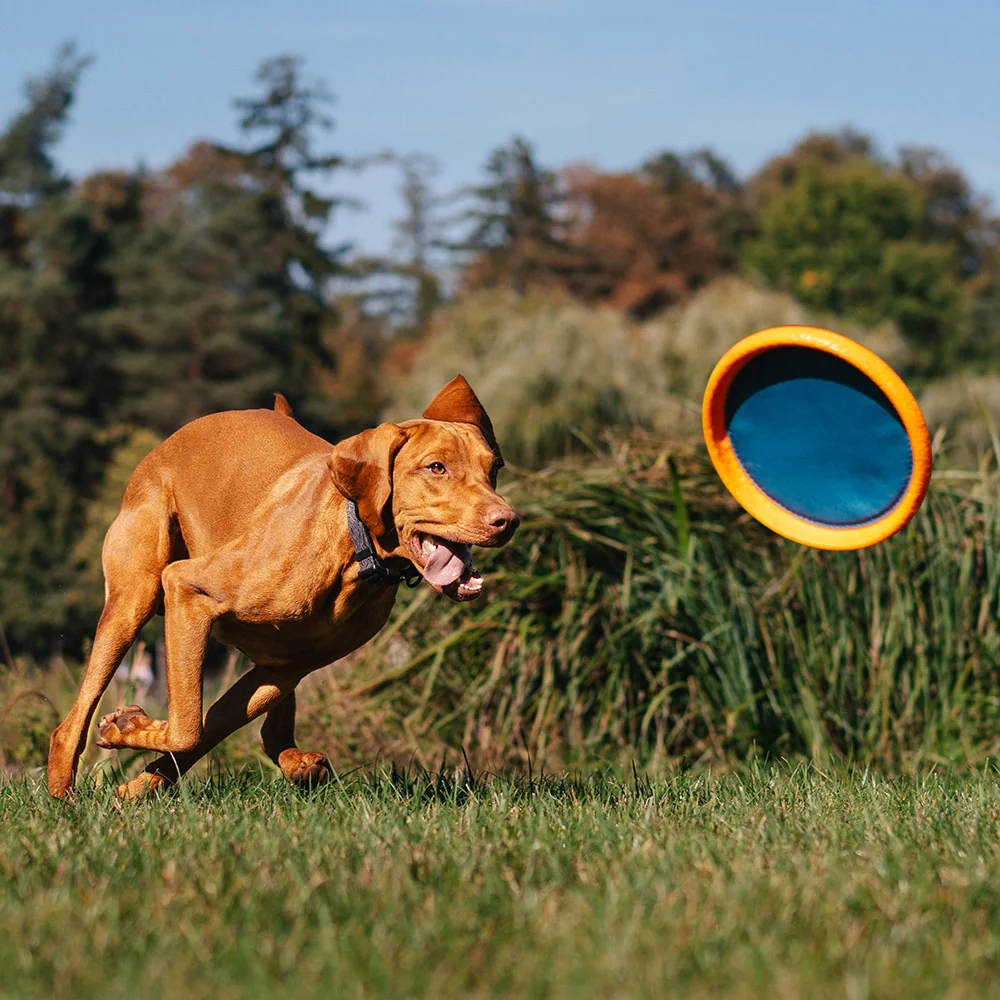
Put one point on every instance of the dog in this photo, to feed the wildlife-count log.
(246, 526)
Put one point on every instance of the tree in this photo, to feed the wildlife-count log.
(643, 241)
(846, 239)
(224, 286)
(419, 234)
(514, 240)
(57, 385)
(403, 287)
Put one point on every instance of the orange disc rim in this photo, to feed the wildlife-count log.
(753, 499)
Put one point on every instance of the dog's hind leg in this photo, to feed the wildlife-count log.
(191, 604)
(277, 740)
(259, 690)
(135, 550)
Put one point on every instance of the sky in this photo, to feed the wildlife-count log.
(609, 83)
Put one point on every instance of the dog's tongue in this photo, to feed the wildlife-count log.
(446, 563)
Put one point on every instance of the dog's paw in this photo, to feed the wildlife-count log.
(141, 785)
(304, 767)
(113, 729)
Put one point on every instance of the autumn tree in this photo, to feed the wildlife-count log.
(642, 241)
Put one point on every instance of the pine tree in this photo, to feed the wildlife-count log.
(515, 237)
(56, 382)
(224, 287)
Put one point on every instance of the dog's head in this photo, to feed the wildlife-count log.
(426, 489)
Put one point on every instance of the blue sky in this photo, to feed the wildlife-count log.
(607, 82)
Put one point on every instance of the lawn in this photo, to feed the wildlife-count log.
(767, 881)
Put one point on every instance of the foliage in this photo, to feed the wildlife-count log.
(56, 380)
(850, 232)
(845, 242)
(222, 283)
(767, 882)
(513, 238)
(646, 240)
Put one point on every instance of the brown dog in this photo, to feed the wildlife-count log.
(240, 525)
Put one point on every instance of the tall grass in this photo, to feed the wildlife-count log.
(640, 614)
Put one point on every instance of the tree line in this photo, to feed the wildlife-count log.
(135, 300)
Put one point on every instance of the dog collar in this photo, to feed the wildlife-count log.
(372, 569)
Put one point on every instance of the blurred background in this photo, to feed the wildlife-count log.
(578, 205)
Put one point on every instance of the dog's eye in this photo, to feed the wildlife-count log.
(437, 468)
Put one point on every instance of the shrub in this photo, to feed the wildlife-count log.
(553, 372)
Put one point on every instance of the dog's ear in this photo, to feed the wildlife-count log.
(361, 467)
(457, 403)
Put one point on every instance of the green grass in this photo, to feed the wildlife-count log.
(763, 882)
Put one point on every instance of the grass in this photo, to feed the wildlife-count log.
(767, 881)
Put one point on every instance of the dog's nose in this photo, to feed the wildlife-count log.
(503, 520)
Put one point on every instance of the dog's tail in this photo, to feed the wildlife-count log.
(281, 405)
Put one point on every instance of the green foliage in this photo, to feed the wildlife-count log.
(858, 236)
(514, 233)
(769, 882)
(845, 241)
(26, 164)
(56, 380)
(221, 285)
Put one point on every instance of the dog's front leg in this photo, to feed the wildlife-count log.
(189, 612)
(277, 740)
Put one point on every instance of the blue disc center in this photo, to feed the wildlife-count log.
(818, 436)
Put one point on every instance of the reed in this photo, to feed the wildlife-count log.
(639, 614)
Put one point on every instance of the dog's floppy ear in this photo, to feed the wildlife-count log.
(457, 403)
(361, 467)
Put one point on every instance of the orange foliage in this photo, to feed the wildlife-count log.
(640, 246)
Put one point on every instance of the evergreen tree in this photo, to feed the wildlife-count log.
(56, 383)
(224, 286)
(515, 230)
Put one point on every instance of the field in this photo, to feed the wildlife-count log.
(652, 649)
(764, 881)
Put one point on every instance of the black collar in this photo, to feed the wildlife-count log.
(372, 569)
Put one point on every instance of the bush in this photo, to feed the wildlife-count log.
(638, 614)
(962, 409)
(553, 372)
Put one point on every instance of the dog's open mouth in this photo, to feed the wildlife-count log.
(447, 565)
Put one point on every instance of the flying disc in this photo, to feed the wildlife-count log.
(817, 437)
